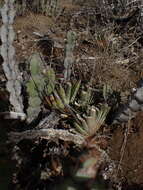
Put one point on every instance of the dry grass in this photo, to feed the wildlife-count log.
(104, 68)
(107, 71)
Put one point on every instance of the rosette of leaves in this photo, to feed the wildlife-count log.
(91, 123)
(62, 98)
(88, 126)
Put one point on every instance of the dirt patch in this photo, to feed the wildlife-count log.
(132, 163)
(24, 26)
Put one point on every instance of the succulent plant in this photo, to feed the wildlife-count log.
(89, 125)
(69, 57)
(85, 99)
(60, 99)
(34, 87)
(50, 80)
(41, 83)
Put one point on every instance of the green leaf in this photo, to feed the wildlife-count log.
(50, 79)
(35, 86)
(74, 90)
(62, 94)
(68, 92)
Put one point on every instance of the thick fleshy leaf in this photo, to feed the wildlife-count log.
(35, 86)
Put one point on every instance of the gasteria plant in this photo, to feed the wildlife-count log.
(65, 100)
(61, 99)
(90, 124)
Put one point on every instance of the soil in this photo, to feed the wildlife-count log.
(131, 170)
